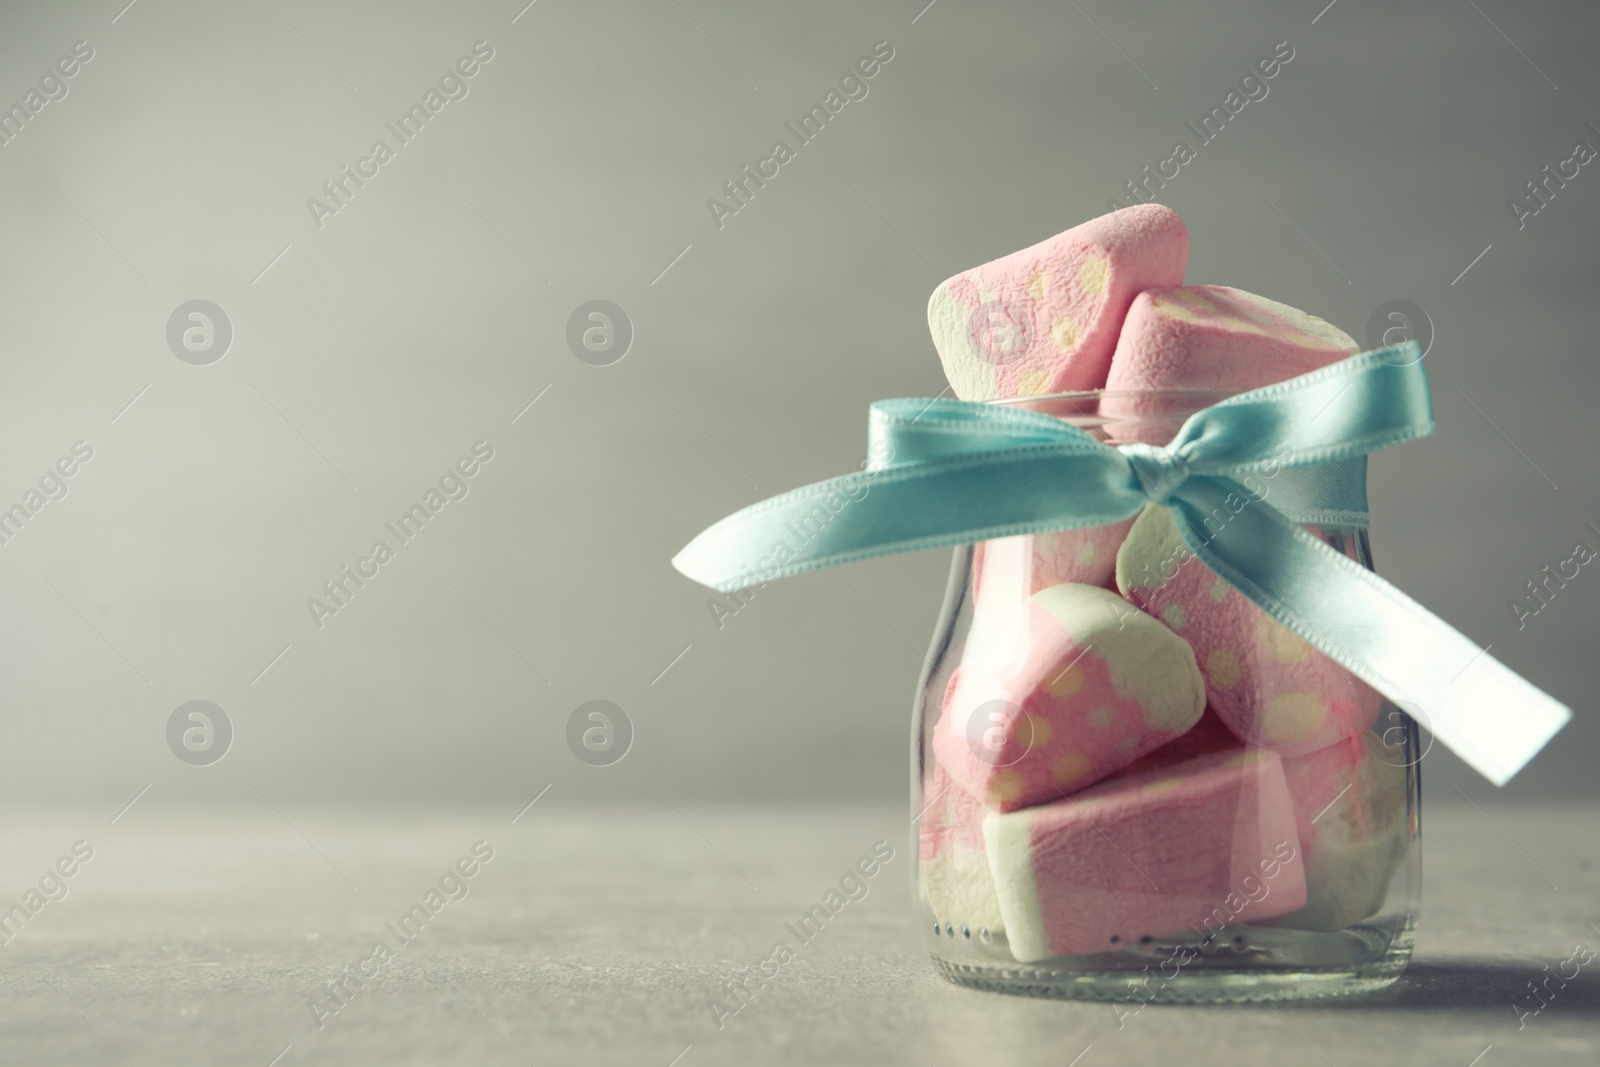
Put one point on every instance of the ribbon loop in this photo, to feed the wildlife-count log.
(947, 472)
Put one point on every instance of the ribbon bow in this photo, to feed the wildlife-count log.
(946, 472)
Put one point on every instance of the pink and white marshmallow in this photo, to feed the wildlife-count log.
(1046, 319)
(1215, 337)
(1350, 813)
(1185, 848)
(1208, 737)
(952, 866)
(1073, 685)
(1008, 570)
(1264, 681)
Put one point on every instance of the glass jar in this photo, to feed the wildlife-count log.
(1162, 796)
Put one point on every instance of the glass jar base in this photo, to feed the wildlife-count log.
(1240, 964)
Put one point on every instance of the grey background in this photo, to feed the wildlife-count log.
(426, 314)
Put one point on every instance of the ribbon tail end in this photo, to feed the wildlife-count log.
(1505, 760)
(693, 564)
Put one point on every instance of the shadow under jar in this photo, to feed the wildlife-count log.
(1130, 783)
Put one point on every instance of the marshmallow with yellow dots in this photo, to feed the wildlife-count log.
(1046, 319)
(1267, 684)
(1072, 686)
(1008, 570)
(1216, 337)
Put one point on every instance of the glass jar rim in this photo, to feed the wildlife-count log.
(1211, 395)
(1143, 412)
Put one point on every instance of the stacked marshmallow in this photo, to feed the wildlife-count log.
(1129, 748)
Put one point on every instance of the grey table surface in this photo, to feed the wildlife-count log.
(603, 935)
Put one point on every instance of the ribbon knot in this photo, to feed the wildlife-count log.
(963, 472)
(1159, 471)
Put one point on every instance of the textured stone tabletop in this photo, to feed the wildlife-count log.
(599, 935)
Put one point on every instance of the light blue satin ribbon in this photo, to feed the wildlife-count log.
(948, 472)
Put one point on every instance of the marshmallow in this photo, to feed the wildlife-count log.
(1350, 812)
(1214, 337)
(1008, 570)
(1073, 685)
(1193, 846)
(952, 867)
(1263, 680)
(1045, 319)
(1207, 737)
